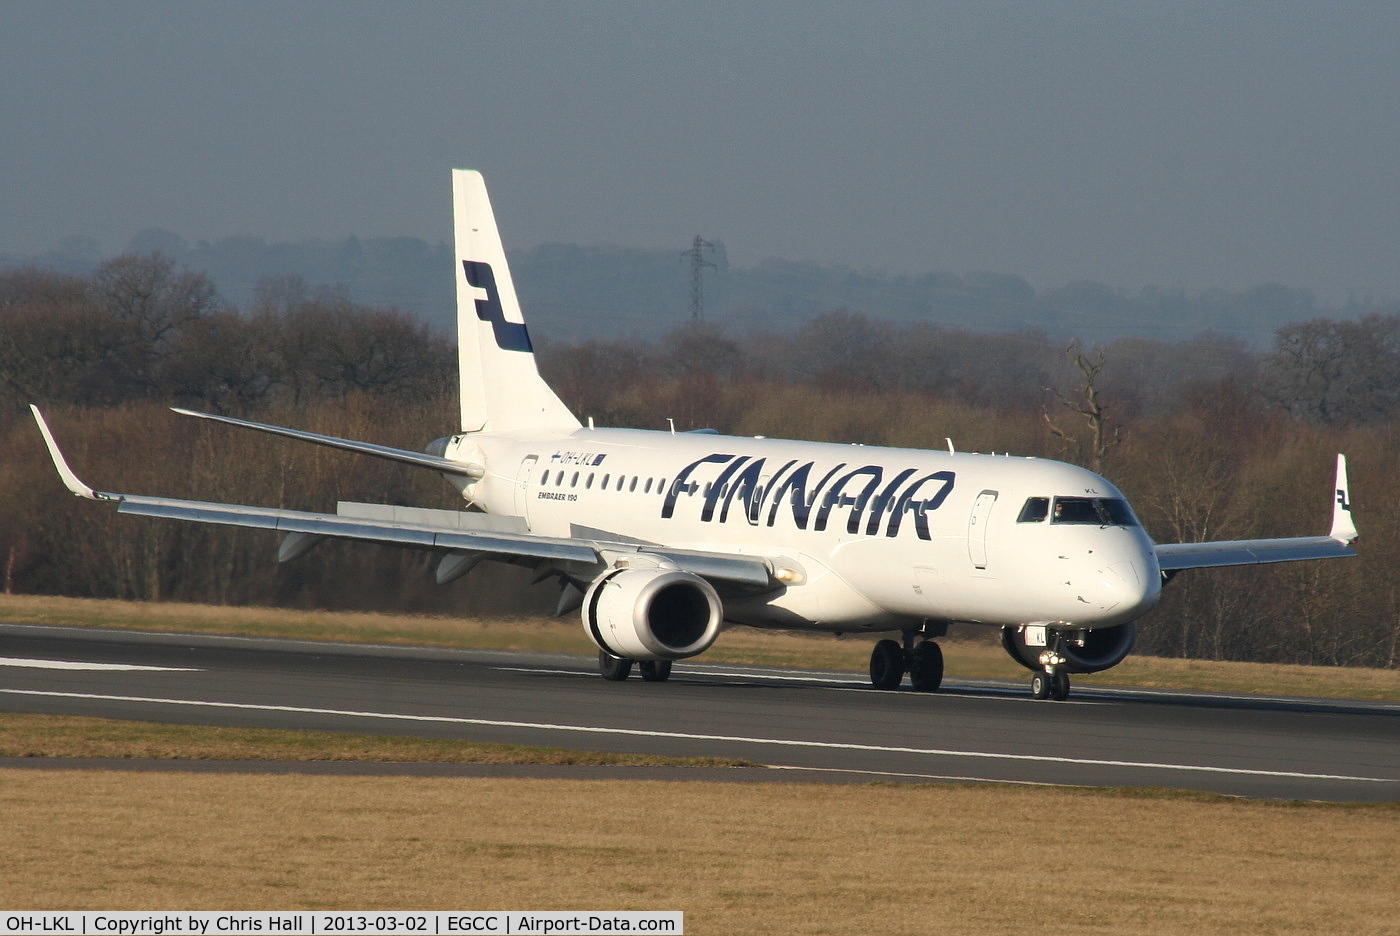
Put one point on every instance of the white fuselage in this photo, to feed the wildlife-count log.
(874, 538)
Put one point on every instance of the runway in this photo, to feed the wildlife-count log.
(817, 726)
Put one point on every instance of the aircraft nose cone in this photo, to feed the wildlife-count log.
(1111, 586)
(1128, 589)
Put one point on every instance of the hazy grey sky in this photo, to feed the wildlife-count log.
(1190, 144)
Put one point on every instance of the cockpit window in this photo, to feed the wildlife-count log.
(1035, 510)
(1097, 511)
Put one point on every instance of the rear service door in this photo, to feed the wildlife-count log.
(522, 486)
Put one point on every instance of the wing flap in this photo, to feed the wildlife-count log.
(359, 528)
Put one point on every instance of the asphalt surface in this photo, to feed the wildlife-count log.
(805, 726)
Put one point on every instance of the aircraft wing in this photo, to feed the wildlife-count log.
(457, 532)
(1174, 557)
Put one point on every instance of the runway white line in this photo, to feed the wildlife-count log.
(77, 665)
(687, 736)
(984, 689)
(766, 676)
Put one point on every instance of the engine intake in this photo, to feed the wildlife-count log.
(652, 614)
(1088, 651)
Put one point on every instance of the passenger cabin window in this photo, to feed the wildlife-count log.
(1095, 511)
(1035, 510)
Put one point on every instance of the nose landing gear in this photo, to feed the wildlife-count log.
(1055, 650)
(1048, 685)
(1052, 682)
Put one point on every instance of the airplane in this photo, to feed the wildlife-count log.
(660, 539)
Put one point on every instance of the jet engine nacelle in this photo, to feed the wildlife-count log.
(652, 614)
(1088, 651)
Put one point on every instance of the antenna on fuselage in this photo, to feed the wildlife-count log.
(950, 445)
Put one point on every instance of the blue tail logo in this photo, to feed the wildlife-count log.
(510, 336)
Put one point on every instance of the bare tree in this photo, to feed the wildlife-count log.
(1087, 403)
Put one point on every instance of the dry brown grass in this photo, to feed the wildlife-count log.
(970, 653)
(736, 858)
(23, 735)
(543, 634)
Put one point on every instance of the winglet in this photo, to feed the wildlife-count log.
(69, 478)
(1343, 527)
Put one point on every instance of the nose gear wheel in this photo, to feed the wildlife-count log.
(1047, 685)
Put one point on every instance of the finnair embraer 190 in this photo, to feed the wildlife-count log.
(661, 538)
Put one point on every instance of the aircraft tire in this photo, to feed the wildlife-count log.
(614, 669)
(655, 670)
(926, 667)
(887, 665)
(1059, 686)
(1040, 686)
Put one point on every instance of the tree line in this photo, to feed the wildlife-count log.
(581, 292)
(1208, 438)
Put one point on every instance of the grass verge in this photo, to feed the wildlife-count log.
(736, 858)
(24, 735)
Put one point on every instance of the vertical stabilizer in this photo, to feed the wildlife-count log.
(502, 390)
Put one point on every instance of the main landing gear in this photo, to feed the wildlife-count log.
(616, 669)
(923, 661)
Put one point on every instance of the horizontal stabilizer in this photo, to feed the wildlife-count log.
(421, 459)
